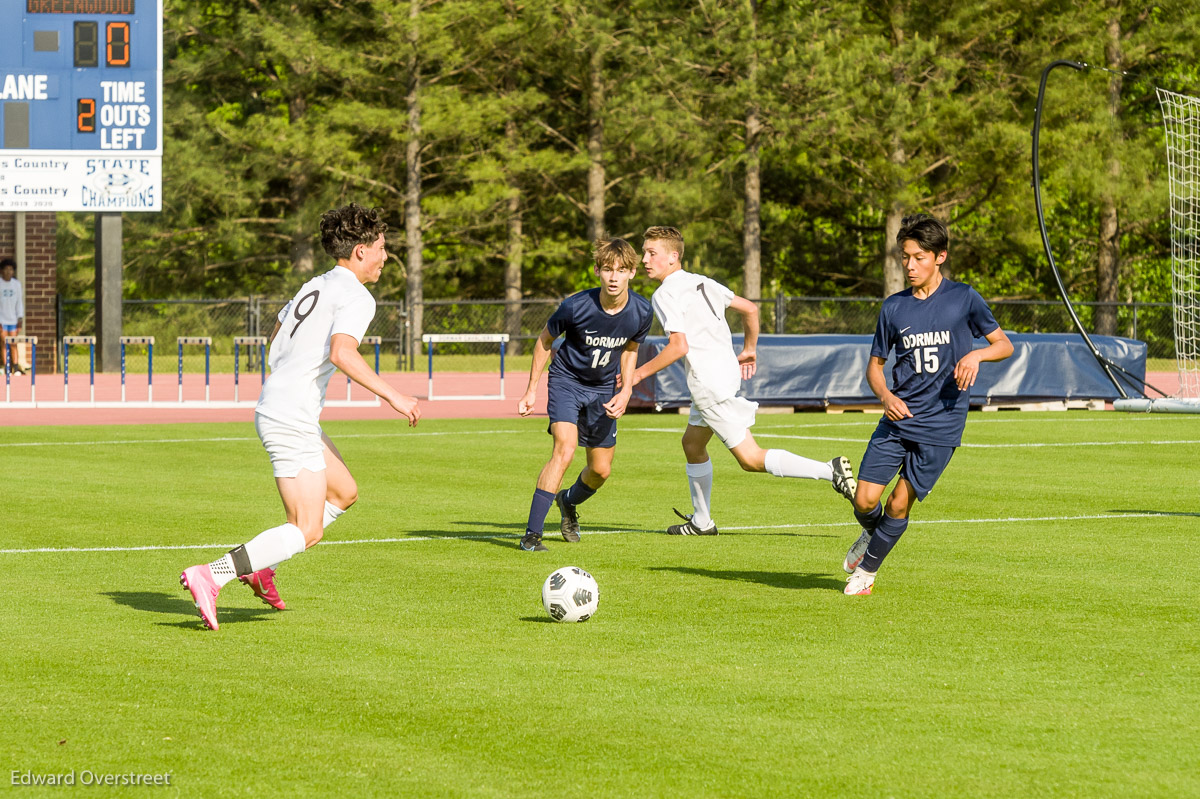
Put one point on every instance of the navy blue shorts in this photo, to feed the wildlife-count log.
(919, 464)
(584, 408)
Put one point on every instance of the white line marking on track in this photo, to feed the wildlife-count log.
(407, 539)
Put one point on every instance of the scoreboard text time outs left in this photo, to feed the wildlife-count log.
(81, 105)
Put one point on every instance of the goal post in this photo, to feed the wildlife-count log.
(431, 340)
(1181, 127)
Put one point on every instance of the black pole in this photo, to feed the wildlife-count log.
(1041, 217)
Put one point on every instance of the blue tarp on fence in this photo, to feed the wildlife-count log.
(821, 370)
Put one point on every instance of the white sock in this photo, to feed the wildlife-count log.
(700, 486)
(332, 512)
(274, 546)
(782, 463)
(279, 543)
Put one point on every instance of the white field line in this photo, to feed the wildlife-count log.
(216, 439)
(1029, 445)
(808, 526)
(1055, 417)
(761, 434)
(1120, 443)
(1024, 445)
(761, 429)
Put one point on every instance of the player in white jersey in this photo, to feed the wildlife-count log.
(317, 331)
(12, 312)
(691, 309)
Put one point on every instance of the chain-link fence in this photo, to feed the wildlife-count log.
(1148, 321)
(167, 320)
(1151, 322)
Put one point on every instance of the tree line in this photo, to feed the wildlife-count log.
(785, 138)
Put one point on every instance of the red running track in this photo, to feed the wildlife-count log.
(166, 409)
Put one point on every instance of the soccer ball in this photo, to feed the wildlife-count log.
(570, 594)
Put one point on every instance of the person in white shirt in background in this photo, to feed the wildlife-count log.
(12, 313)
(691, 309)
(317, 331)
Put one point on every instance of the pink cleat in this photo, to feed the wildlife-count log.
(262, 583)
(198, 580)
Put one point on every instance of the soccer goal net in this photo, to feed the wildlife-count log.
(1181, 120)
(1181, 124)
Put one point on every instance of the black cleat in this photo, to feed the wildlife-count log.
(532, 542)
(688, 528)
(570, 518)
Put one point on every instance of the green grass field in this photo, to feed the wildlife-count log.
(1035, 633)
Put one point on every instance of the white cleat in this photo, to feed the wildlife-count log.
(857, 550)
(860, 582)
(843, 477)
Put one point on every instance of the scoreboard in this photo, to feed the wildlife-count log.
(81, 105)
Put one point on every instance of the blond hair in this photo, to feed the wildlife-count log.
(668, 235)
(615, 254)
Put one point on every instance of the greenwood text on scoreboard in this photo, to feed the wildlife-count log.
(81, 105)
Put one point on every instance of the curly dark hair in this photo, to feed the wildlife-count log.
(929, 233)
(342, 229)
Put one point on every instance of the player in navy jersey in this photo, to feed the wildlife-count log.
(602, 329)
(932, 326)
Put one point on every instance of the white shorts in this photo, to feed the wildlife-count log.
(730, 419)
(290, 449)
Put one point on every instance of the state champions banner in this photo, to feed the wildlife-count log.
(46, 181)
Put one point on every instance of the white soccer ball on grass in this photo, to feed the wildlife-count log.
(570, 594)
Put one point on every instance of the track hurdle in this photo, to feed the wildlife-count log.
(9, 341)
(249, 341)
(149, 342)
(90, 342)
(206, 342)
(466, 338)
(372, 340)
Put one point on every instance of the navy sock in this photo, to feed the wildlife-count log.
(579, 492)
(542, 500)
(887, 533)
(870, 519)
